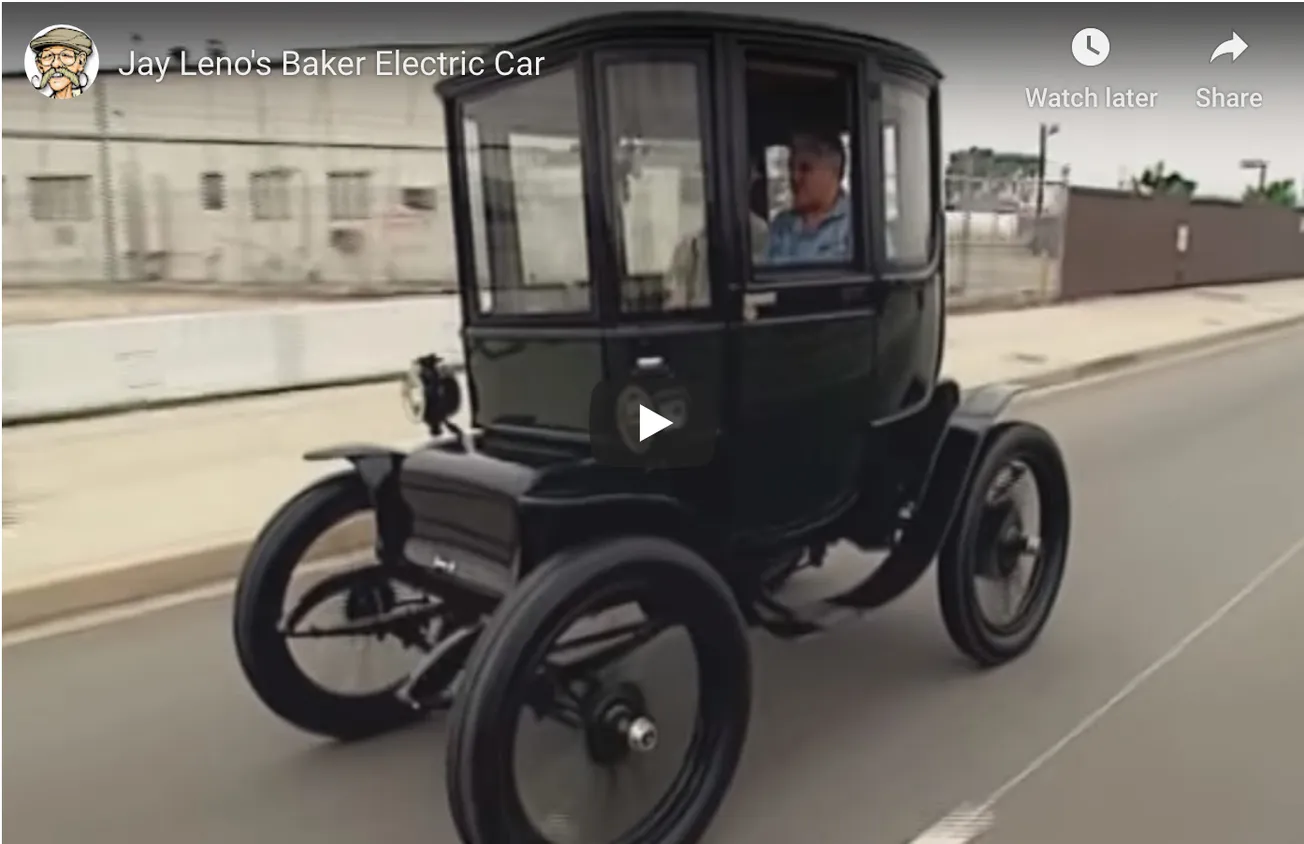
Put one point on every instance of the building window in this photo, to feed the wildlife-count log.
(418, 199)
(691, 189)
(60, 198)
(212, 191)
(269, 195)
(349, 195)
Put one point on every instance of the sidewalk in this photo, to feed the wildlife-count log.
(198, 482)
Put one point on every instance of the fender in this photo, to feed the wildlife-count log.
(940, 497)
(378, 467)
(967, 433)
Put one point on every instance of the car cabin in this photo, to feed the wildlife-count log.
(753, 203)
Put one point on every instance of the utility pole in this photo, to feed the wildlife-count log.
(1260, 165)
(1043, 134)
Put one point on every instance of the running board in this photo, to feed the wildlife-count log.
(428, 687)
(891, 579)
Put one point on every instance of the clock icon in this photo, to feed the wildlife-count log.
(1090, 47)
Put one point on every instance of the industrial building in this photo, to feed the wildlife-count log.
(277, 179)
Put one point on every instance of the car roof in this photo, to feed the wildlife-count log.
(594, 30)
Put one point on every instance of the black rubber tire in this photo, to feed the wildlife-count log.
(478, 794)
(260, 594)
(957, 563)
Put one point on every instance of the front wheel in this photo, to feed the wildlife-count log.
(379, 611)
(578, 720)
(999, 572)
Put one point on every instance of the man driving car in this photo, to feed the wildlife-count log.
(817, 227)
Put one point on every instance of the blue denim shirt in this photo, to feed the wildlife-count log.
(791, 242)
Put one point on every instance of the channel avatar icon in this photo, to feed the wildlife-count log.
(61, 62)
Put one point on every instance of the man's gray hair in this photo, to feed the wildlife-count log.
(824, 143)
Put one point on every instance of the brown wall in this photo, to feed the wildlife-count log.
(1118, 242)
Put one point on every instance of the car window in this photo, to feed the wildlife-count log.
(657, 159)
(800, 122)
(908, 202)
(526, 187)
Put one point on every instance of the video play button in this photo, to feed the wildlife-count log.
(650, 422)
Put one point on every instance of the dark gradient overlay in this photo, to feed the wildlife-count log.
(994, 39)
(991, 53)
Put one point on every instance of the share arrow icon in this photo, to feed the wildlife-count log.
(1233, 47)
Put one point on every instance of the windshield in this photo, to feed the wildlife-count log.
(526, 186)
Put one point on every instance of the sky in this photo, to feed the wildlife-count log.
(991, 53)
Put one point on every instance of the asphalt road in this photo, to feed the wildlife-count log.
(1188, 487)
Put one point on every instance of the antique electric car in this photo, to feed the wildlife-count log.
(730, 226)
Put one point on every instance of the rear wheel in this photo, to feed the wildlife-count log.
(1000, 571)
(578, 722)
(292, 572)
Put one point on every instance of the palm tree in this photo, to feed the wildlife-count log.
(1277, 192)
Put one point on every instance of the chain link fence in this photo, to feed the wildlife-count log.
(1003, 238)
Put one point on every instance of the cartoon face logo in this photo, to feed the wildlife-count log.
(61, 62)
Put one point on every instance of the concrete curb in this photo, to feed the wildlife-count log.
(27, 605)
(1155, 354)
(100, 588)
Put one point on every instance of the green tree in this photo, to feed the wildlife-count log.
(1159, 181)
(1278, 192)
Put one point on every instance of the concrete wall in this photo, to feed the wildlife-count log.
(86, 365)
(1118, 242)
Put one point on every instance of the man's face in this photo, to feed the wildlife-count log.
(814, 175)
(59, 67)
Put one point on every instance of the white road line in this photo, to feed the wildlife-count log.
(963, 826)
(1132, 685)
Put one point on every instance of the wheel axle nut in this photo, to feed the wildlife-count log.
(641, 734)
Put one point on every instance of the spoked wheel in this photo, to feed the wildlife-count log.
(1000, 571)
(607, 701)
(296, 601)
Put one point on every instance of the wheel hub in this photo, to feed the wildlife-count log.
(1010, 544)
(368, 600)
(1002, 534)
(616, 724)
